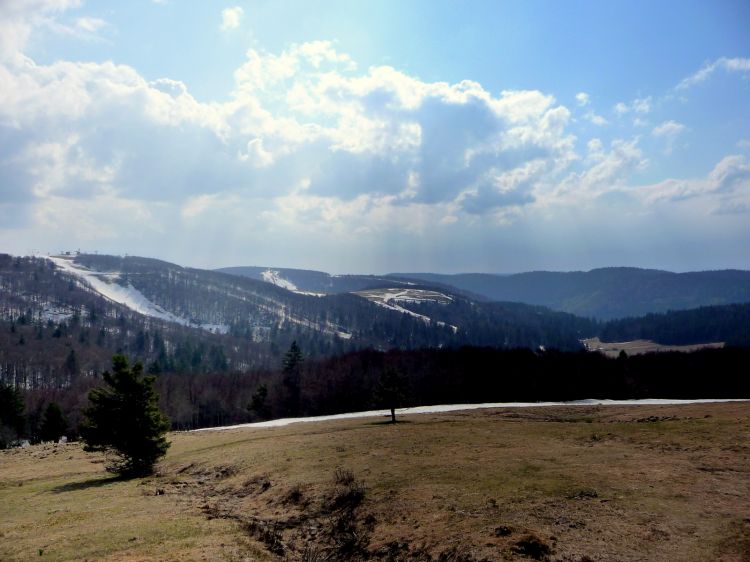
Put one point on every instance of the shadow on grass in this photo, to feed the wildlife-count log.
(389, 422)
(86, 484)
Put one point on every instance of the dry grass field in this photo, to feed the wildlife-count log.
(573, 483)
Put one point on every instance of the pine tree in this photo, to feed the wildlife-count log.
(54, 424)
(258, 403)
(291, 379)
(124, 420)
(12, 420)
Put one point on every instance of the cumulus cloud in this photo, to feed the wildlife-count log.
(732, 65)
(668, 131)
(596, 119)
(642, 105)
(231, 18)
(638, 105)
(306, 145)
(582, 98)
(302, 126)
(727, 185)
(609, 169)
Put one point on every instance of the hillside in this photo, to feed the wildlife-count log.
(65, 316)
(608, 293)
(309, 281)
(729, 323)
(576, 483)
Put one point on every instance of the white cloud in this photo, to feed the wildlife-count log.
(596, 119)
(231, 18)
(303, 116)
(739, 65)
(642, 105)
(595, 146)
(606, 171)
(726, 187)
(306, 147)
(668, 129)
(582, 98)
(91, 25)
(638, 105)
(17, 19)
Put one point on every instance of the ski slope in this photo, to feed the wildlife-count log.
(106, 285)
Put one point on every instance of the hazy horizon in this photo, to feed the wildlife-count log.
(374, 273)
(497, 137)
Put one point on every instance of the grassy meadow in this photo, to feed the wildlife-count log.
(574, 483)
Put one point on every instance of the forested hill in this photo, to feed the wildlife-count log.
(607, 293)
(728, 323)
(63, 317)
(310, 281)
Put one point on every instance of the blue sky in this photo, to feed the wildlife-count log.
(384, 136)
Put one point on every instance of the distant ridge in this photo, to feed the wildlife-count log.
(605, 293)
(314, 281)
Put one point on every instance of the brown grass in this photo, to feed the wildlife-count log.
(573, 483)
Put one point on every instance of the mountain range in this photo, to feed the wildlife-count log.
(605, 293)
(61, 316)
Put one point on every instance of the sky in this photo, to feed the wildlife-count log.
(374, 137)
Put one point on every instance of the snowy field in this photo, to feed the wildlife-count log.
(459, 407)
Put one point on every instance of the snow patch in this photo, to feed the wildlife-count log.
(389, 298)
(57, 314)
(459, 407)
(274, 277)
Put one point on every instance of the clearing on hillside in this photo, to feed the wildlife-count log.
(638, 347)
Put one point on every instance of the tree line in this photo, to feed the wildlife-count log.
(353, 381)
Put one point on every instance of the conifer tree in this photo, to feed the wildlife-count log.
(258, 403)
(291, 379)
(12, 420)
(124, 420)
(54, 424)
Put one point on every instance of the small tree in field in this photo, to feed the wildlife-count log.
(391, 390)
(124, 420)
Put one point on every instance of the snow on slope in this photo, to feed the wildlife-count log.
(459, 407)
(389, 298)
(274, 277)
(104, 283)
